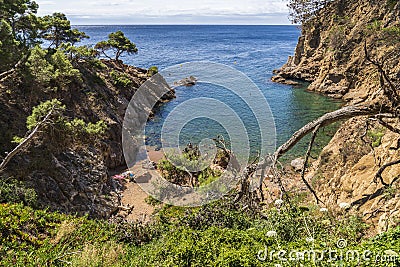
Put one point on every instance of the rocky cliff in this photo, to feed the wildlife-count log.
(332, 56)
(72, 173)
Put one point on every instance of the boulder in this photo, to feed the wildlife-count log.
(297, 164)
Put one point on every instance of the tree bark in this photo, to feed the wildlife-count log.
(329, 118)
(24, 143)
(6, 74)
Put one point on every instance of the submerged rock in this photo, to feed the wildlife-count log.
(189, 81)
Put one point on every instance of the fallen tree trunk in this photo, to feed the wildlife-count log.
(373, 108)
(329, 118)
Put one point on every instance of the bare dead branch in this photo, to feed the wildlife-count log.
(5, 75)
(382, 169)
(344, 113)
(392, 92)
(387, 125)
(25, 142)
(303, 171)
(329, 118)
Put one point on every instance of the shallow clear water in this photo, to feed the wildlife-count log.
(253, 50)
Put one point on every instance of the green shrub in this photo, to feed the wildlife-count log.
(391, 3)
(389, 35)
(176, 168)
(152, 201)
(120, 79)
(39, 67)
(222, 214)
(14, 191)
(376, 137)
(78, 126)
(152, 71)
(97, 128)
(17, 140)
(40, 111)
(40, 238)
(51, 69)
(376, 25)
(64, 72)
(393, 31)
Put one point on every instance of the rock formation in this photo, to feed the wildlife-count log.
(330, 55)
(68, 176)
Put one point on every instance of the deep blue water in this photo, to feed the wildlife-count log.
(254, 50)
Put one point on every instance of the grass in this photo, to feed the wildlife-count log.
(219, 234)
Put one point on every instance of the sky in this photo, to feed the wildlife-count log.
(238, 12)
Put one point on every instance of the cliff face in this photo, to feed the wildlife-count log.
(330, 55)
(330, 52)
(73, 175)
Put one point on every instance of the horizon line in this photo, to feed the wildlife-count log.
(172, 24)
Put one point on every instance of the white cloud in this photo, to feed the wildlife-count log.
(166, 9)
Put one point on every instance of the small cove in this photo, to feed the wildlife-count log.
(254, 50)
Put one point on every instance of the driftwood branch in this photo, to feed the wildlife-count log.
(344, 113)
(26, 141)
(329, 118)
(303, 171)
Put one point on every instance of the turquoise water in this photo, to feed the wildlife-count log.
(254, 50)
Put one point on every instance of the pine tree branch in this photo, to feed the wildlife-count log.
(25, 142)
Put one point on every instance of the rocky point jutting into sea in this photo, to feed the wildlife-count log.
(74, 175)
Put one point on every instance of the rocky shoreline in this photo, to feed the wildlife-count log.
(331, 56)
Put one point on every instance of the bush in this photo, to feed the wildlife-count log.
(120, 79)
(51, 69)
(222, 214)
(152, 71)
(376, 137)
(64, 72)
(40, 111)
(14, 191)
(17, 140)
(386, 35)
(176, 168)
(39, 67)
(39, 238)
(391, 4)
(77, 127)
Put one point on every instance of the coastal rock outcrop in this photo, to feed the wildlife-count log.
(67, 175)
(331, 56)
(330, 52)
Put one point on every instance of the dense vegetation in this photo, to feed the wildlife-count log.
(224, 233)
(42, 63)
(219, 234)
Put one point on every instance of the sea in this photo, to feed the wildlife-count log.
(254, 51)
